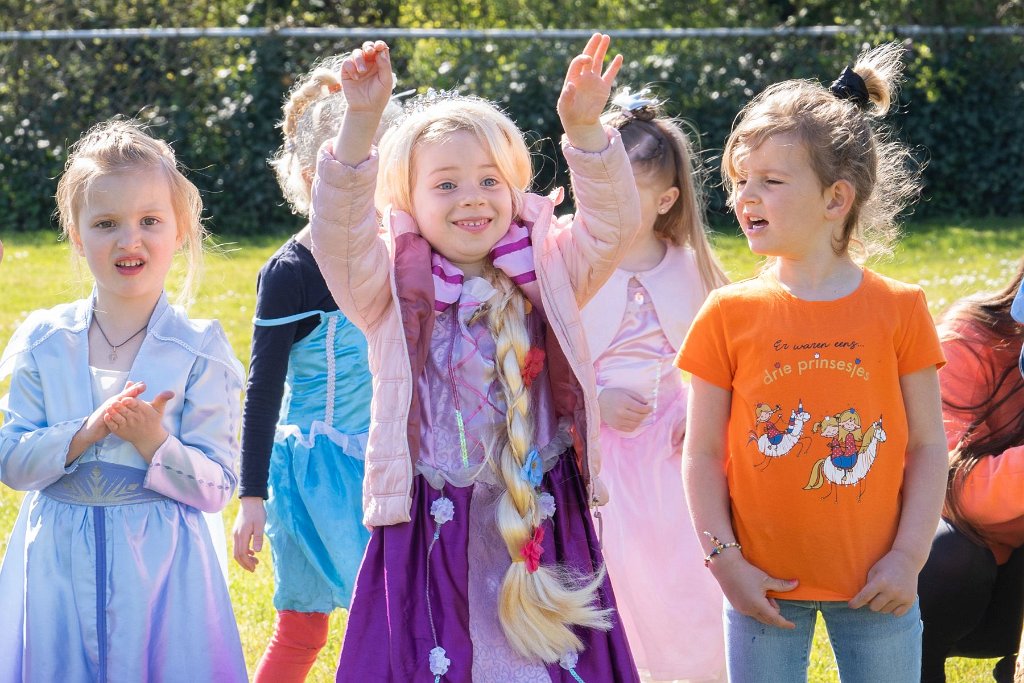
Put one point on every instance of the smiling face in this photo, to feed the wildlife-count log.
(779, 201)
(128, 233)
(460, 202)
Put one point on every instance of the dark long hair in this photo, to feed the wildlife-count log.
(989, 318)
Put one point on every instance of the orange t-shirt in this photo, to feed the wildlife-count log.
(817, 432)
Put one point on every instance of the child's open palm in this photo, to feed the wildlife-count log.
(585, 91)
(367, 79)
(139, 422)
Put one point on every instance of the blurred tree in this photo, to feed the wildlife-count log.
(218, 100)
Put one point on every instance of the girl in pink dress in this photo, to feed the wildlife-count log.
(634, 326)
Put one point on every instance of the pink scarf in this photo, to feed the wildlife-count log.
(512, 254)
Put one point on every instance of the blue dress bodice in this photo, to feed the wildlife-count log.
(328, 379)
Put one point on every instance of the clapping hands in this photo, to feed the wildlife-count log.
(137, 421)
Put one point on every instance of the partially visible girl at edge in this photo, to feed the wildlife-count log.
(671, 607)
(482, 459)
(972, 587)
(122, 423)
(788, 531)
(307, 462)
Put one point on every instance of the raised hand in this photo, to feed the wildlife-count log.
(139, 422)
(367, 81)
(366, 77)
(585, 93)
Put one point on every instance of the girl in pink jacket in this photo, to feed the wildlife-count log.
(482, 457)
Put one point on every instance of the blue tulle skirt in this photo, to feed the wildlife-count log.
(314, 517)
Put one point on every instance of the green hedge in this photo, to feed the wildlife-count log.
(218, 102)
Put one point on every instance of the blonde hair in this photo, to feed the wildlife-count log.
(313, 110)
(434, 119)
(657, 144)
(537, 610)
(826, 422)
(850, 414)
(118, 145)
(842, 144)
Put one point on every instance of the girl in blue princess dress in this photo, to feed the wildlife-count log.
(121, 424)
(305, 461)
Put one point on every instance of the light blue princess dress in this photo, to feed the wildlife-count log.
(111, 574)
(315, 508)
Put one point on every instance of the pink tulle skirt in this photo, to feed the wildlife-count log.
(670, 604)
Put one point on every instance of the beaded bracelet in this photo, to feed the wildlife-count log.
(719, 547)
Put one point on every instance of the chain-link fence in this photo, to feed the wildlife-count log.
(216, 95)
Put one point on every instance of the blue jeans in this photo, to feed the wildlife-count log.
(869, 646)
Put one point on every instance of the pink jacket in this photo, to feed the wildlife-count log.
(381, 280)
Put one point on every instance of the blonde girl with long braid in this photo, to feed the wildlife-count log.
(304, 349)
(483, 564)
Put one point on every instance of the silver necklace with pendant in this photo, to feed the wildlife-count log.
(114, 347)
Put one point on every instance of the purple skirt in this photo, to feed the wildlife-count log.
(390, 632)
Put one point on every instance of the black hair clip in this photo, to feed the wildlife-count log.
(850, 86)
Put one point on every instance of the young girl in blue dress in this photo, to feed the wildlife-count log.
(306, 460)
(121, 424)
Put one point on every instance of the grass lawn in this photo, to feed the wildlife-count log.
(948, 260)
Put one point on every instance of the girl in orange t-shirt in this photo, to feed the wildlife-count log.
(850, 357)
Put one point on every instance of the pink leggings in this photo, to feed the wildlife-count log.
(292, 650)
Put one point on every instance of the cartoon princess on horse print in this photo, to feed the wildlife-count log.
(775, 442)
(851, 452)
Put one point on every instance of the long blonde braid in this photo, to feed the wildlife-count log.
(538, 609)
(320, 82)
